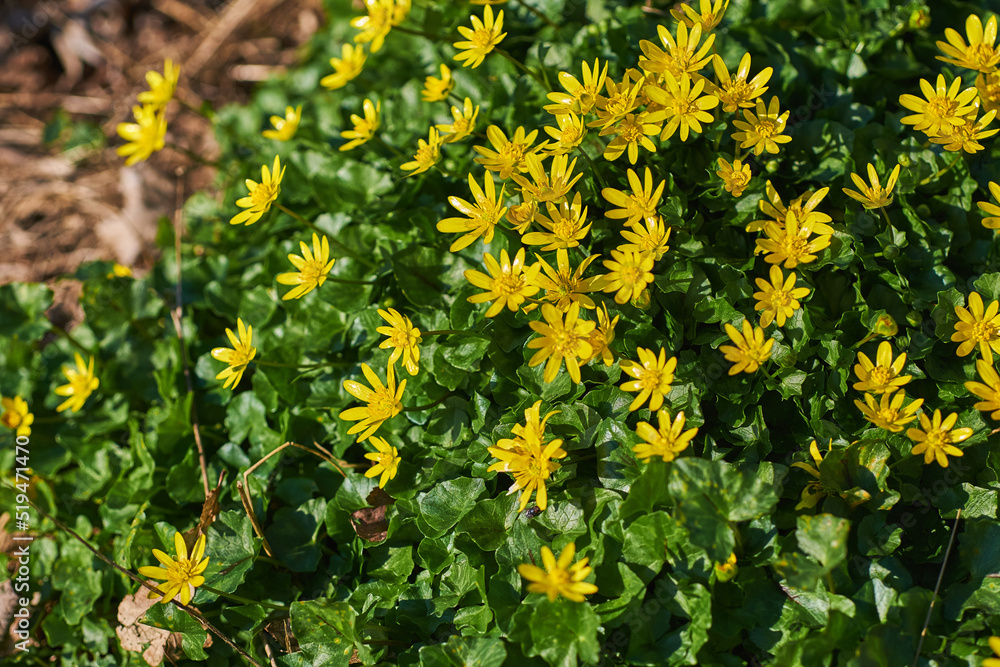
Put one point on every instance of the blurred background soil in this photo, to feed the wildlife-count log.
(70, 71)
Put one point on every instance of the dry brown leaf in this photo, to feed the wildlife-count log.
(369, 522)
(135, 636)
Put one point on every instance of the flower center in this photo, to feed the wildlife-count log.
(650, 378)
(426, 154)
(630, 132)
(11, 419)
(937, 439)
(982, 54)
(619, 105)
(984, 331)
(766, 127)
(507, 284)
(586, 98)
(941, 106)
(684, 106)
(629, 275)
(565, 342)
(512, 152)
(888, 415)
(382, 406)
(264, 194)
(881, 376)
(569, 135)
(481, 38)
(780, 299)
(385, 459)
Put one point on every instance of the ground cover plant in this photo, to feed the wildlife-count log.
(543, 333)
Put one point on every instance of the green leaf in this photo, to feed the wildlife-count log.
(979, 547)
(562, 633)
(462, 651)
(328, 632)
(445, 504)
(173, 618)
(824, 537)
(231, 548)
(488, 522)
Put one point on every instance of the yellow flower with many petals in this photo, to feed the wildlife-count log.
(620, 101)
(682, 55)
(237, 358)
(579, 98)
(888, 413)
(145, 136)
(966, 137)
(364, 128)
(260, 195)
(403, 338)
(384, 401)
(814, 491)
(980, 327)
(884, 376)
(561, 341)
(428, 154)
(980, 54)
(547, 187)
(436, 89)
(509, 154)
(311, 268)
(873, 196)
(735, 176)
(988, 87)
(520, 216)
(628, 274)
(508, 284)
(685, 108)
(751, 349)
(382, 16)
(284, 128)
(936, 438)
(602, 336)
(763, 131)
(803, 206)
(568, 135)
(482, 216)
(666, 441)
(990, 209)
(708, 17)
(564, 285)
(790, 243)
(480, 39)
(565, 225)
(633, 131)
(527, 457)
(161, 86)
(16, 416)
(464, 123)
(651, 377)
(942, 105)
(736, 91)
(82, 383)
(386, 460)
(559, 577)
(640, 204)
(778, 299)
(181, 575)
(651, 238)
(345, 68)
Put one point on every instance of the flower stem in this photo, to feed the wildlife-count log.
(427, 406)
(335, 242)
(325, 364)
(421, 33)
(940, 172)
(241, 599)
(392, 149)
(537, 12)
(446, 332)
(524, 68)
(73, 341)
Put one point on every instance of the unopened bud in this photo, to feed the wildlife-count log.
(919, 19)
(891, 251)
(914, 318)
(886, 326)
(728, 570)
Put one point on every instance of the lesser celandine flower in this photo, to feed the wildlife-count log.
(617, 104)
(161, 86)
(980, 53)
(988, 389)
(82, 382)
(520, 216)
(386, 460)
(708, 16)
(936, 438)
(684, 105)
(561, 341)
(384, 401)
(463, 125)
(382, 16)
(528, 458)
(988, 87)
(778, 299)
(633, 131)
(364, 128)
(119, 271)
(628, 274)
(735, 176)
(885, 326)
(682, 55)
(579, 98)
(261, 195)
(651, 238)
(480, 39)
(145, 136)
(764, 130)
(564, 285)
(814, 490)
(803, 206)
(995, 645)
(888, 413)
(508, 283)
(966, 137)
(666, 441)
(403, 338)
(16, 416)
(565, 225)
(436, 89)
(790, 243)
(284, 128)
(640, 204)
(559, 577)
(751, 349)
(481, 217)
(990, 209)
(601, 337)
(651, 377)
(873, 196)
(551, 186)
(510, 154)
(345, 68)
(237, 358)
(736, 91)
(311, 268)
(428, 154)
(568, 135)
(881, 377)
(942, 105)
(977, 326)
(182, 574)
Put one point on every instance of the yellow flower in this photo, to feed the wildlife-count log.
(488, 2)
(480, 39)
(751, 349)
(520, 216)
(630, 133)
(579, 97)
(16, 415)
(988, 87)
(640, 204)
(883, 377)
(978, 327)
(403, 338)
(790, 243)
(684, 105)
(988, 389)
(382, 16)
(82, 383)
(436, 89)
(667, 441)
(508, 284)
(814, 491)
(181, 575)
(938, 438)
(428, 154)
(803, 206)
(995, 645)
(874, 196)
(728, 570)
(779, 298)
(602, 337)
(763, 131)
(384, 401)
(943, 105)
(735, 176)
(528, 458)
(735, 91)
(483, 216)
(284, 128)
(565, 286)
(979, 54)
(889, 413)
(464, 123)
(311, 268)
(966, 137)
(120, 271)
(547, 187)
(345, 68)
(145, 136)
(682, 54)
(386, 460)
(561, 341)
(709, 17)
(992, 210)
(162, 86)
(510, 154)
(260, 195)
(650, 238)
(237, 358)
(565, 225)
(364, 128)
(570, 133)
(619, 102)
(559, 577)
(628, 274)
(652, 376)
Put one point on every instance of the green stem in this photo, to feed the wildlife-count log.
(888, 222)
(192, 155)
(537, 12)
(427, 406)
(241, 599)
(421, 33)
(278, 364)
(73, 341)
(593, 167)
(335, 242)
(348, 281)
(395, 151)
(941, 171)
(446, 332)
(527, 70)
